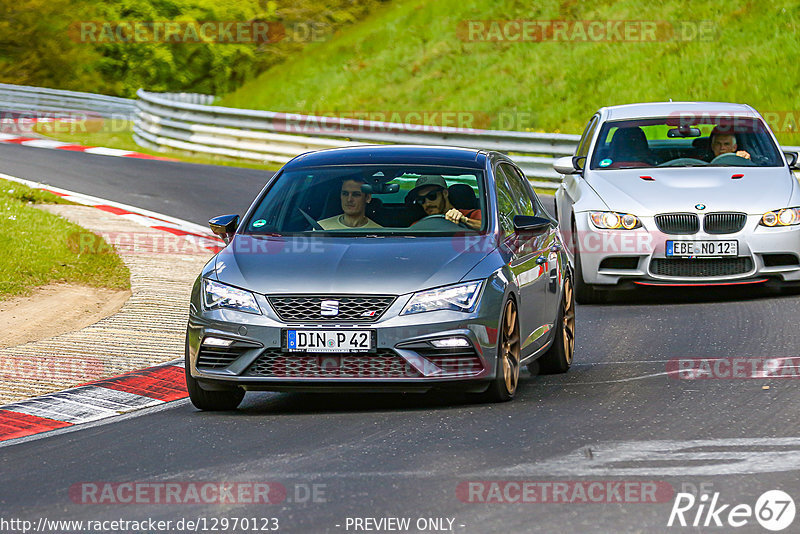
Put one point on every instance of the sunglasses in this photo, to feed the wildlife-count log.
(432, 196)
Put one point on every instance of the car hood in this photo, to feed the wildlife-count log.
(679, 189)
(344, 265)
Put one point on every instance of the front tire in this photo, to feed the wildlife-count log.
(504, 386)
(584, 293)
(211, 401)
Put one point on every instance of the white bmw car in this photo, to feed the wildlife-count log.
(679, 194)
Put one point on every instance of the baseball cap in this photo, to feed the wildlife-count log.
(426, 180)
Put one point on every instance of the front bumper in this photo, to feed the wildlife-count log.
(403, 359)
(617, 257)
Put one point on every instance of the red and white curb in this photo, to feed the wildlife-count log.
(198, 236)
(60, 145)
(36, 142)
(94, 401)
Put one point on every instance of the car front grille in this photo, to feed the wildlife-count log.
(364, 309)
(724, 223)
(701, 267)
(217, 357)
(385, 363)
(678, 223)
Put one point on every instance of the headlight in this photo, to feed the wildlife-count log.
(217, 295)
(461, 297)
(784, 217)
(611, 220)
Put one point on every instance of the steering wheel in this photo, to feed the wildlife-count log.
(732, 160)
(436, 220)
(462, 224)
(684, 162)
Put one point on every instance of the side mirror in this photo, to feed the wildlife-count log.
(224, 226)
(529, 223)
(791, 159)
(566, 165)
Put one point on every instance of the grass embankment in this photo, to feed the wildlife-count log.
(410, 56)
(119, 134)
(40, 248)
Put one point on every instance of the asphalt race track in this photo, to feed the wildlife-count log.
(615, 418)
(182, 190)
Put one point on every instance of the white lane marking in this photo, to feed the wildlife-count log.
(106, 398)
(143, 220)
(8, 137)
(620, 362)
(75, 428)
(618, 380)
(60, 409)
(44, 143)
(82, 404)
(702, 457)
(103, 151)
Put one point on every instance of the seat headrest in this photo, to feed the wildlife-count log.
(463, 197)
(629, 144)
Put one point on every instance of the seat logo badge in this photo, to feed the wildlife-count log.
(329, 308)
(700, 207)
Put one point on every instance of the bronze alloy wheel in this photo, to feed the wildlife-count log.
(558, 357)
(509, 348)
(568, 321)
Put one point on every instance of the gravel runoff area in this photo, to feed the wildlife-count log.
(147, 330)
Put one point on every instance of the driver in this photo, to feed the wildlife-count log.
(354, 205)
(430, 192)
(723, 142)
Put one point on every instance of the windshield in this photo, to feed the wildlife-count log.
(679, 142)
(372, 200)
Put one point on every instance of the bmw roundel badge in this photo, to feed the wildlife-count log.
(700, 206)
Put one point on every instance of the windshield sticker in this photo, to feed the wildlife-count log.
(606, 162)
(259, 223)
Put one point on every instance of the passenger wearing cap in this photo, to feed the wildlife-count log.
(430, 192)
(354, 205)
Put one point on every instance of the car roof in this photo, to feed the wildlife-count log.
(664, 109)
(391, 154)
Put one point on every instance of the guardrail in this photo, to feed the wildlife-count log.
(25, 99)
(188, 122)
(168, 120)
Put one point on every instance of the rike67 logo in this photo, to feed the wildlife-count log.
(774, 510)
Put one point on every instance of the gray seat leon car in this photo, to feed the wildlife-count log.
(383, 269)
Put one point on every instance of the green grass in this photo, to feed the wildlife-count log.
(119, 134)
(408, 57)
(40, 248)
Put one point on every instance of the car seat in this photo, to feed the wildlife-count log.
(629, 148)
(463, 197)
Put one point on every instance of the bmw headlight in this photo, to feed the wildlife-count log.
(459, 297)
(217, 295)
(784, 217)
(611, 220)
